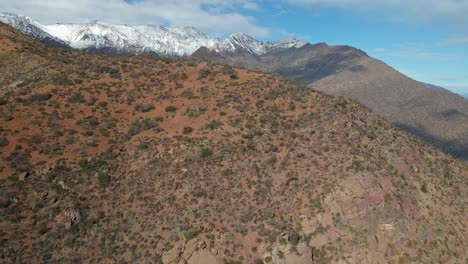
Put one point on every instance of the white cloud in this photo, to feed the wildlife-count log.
(251, 6)
(455, 41)
(444, 11)
(197, 13)
(417, 52)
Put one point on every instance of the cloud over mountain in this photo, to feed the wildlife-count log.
(216, 16)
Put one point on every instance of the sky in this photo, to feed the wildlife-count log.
(424, 39)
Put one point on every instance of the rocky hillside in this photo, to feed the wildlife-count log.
(439, 117)
(140, 159)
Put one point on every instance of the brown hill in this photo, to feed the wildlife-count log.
(139, 159)
(438, 117)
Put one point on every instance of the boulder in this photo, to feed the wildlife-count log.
(22, 176)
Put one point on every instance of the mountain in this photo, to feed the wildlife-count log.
(32, 29)
(305, 63)
(100, 37)
(120, 39)
(435, 87)
(143, 159)
(436, 115)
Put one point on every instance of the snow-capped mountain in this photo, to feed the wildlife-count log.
(32, 29)
(119, 39)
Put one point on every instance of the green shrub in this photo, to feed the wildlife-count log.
(171, 109)
(3, 142)
(206, 152)
(203, 73)
(3, 101)
(294, 238)
(214, 124)
(187, 130)
(76, 98)
(38, 97)
(424, 187)
(37, 139)
(103, 179)
(143, 108)
(149, 123)
(226, 172)
(190, 234)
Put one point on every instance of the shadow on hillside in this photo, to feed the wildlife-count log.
(455, 148)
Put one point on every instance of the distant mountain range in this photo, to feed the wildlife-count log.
(121, 39)
(432, 113)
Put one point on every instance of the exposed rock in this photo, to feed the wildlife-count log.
(213, 251)
(171, 256)
(286, 254)
(22, 176)
(194, 252)
(328, 236)
(43, 170)
(69, 218)
(203, 257)
(52, 201)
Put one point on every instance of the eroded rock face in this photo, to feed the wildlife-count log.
(364, 211)
(288, 254)
(194, 251)
(69, 218)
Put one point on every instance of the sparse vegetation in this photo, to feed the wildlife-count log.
(187, 130)
(250, 169)
(206, 152)
(144, 108)
(3, 142)
(77, 97)
(171, 109)
(203, 73)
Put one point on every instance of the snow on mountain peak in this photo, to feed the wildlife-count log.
(167, 41)
(31, 28)
(238, 40)
(284, 44)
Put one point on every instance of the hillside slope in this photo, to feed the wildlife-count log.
(140, 159)
(438, 117)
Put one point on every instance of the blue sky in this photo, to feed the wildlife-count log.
(424, 39)
(428, 50)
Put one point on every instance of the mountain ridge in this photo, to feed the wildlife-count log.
(351, 73)
(32, 28)
(339, 70)
(167, 41)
